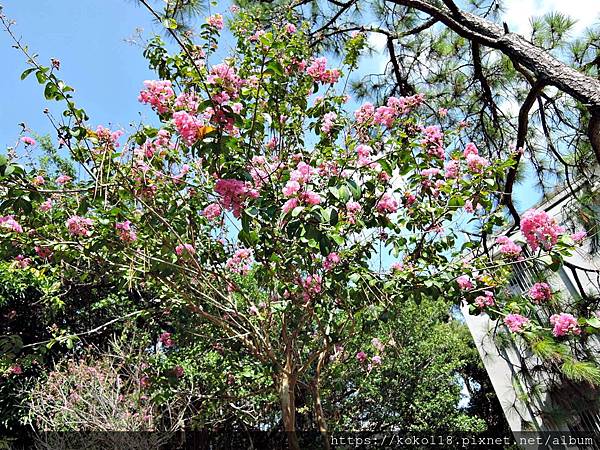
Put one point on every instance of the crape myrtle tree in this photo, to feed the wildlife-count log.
(263, 206)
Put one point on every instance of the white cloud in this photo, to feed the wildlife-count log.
(519, 12)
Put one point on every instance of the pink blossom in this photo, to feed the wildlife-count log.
(43, 252)
(240, 261)
(185, 248)
(108, 137)
(125, 232)
(158, 94)
(385, 115)
(312, 198)
(166, 339)
(470, 149)
(234, 193)
(212, 211)
(38, 180)
(487, 299)
(361, 357)
(397, 267)
(353, 209)
(303, 173)
(328, 122)
(22, 262)
(564, 324)
(443, 112)
(15, 369)
(332, 260)
(433, 141)
(469, 207)
(451, 169)
(290, 28)
(387, 204)
(432, 171)
(178, 371)
(319, 72)
(540, 229)
(291, 188)
(46, 206)
(375, 342)
(516, 322)
(508, 247)
(63, 179)
(79, 226)
(464, 282)
(28, 140)
(364, 113)
(9, 223)
(540, 292)
(289, 205)
(311, 286)
(476, 163)
(216, 20)
(188, 126)
(579, 236)
(376, 360)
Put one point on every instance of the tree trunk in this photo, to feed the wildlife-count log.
(318, 406)
(287, 396)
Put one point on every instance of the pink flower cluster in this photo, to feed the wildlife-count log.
(28, 140)
(38, 180)
(365, 159)
(188, 126)
(311, 286)
(508, 247)
(319, 72)
(540, 229)
(433, 141)
(108, 137)
(328, 122)
(387, 204)
(451, 169)
(487, 299)
(63, 179)
(540, 292)
(464, 282)
(9, 223)
(216, 20)
(352, 210)
(240, 261)
(364, 113)
(516, 322)
(579, 236)
(22, 262)
(212, 211)
(386, 114)
(79, 226)
(234, 193)
(125, 232)
(225, 77)
(166, 339)
(564, 324)
(332, 260)
(187, 249)
(158, 93)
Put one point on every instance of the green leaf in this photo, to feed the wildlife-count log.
(3, 160)
(170, 23)
(26, 73)
(594, 322)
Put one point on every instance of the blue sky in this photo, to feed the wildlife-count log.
(88, 37)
